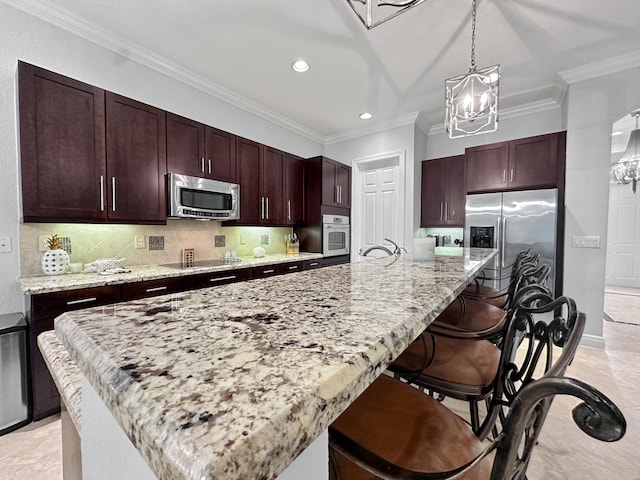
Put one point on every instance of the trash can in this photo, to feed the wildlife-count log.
(15, 410)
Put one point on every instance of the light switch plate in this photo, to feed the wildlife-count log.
(5, 244)
(586, 241)
(139, 241)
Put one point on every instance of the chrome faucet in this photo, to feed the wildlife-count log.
(364, 251)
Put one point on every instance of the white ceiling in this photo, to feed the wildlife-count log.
(243, 50)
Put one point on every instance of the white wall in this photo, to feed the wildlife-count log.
(26, 38)
(593, 106)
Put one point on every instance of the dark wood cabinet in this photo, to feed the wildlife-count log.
(442, 192)
(136, 161)
(204, 280)
(261, 175)
(294, 183)
(88, 155)
(336, 184)
(272, 186)
(42, 311)
(62, 147)
(200, 150)
(153, 288)
(248, 159)
(526, 163)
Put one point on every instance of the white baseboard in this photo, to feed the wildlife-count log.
(594, 341)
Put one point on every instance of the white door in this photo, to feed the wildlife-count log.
(623, 238)
(378, 212)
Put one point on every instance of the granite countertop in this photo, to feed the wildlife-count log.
(235, 381)
(37, 284)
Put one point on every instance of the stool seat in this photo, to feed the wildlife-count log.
(407, 428)
(484, 293)
(466, 318)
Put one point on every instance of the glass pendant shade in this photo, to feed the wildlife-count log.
(471, 102)
(627, 169)
(375, 12)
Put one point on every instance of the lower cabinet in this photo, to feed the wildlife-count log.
(43, 309)
(204, 280)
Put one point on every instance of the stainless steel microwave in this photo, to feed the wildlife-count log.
(201, 198)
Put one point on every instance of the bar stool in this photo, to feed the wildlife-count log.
(394, 431)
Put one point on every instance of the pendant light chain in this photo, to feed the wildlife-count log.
(473, 36)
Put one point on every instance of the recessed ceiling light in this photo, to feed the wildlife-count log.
(300, 66)
(365, 116)
(616, 133)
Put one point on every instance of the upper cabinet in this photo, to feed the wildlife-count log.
(62, 147)
(200, 150)
(272, 186)
(294, 179)
(88, 155)
(533, 162)
(136, 161)
(336, 184)
(442, 192)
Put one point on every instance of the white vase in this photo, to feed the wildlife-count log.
(55, 262)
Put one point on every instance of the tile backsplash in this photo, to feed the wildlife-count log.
(89, 242)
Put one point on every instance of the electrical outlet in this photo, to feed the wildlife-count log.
(5, 244)
(139, 241)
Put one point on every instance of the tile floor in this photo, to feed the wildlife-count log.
(564, 452)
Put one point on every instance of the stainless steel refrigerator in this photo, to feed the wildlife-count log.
(515, 221)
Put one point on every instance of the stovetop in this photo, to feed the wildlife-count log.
(197, 264)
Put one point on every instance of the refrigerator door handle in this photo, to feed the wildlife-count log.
(503, 240)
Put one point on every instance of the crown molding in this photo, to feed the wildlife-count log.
(413, 118)
(70, 22)
(604, 67)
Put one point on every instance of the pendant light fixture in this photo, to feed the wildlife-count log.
(471, 100)
(627, 169)
(375, 12)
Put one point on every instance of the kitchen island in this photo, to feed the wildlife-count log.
(234, 382)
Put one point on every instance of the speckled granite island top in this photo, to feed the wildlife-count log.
(233, 382)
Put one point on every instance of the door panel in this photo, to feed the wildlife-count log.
(623, 235)
(433, 193)
(185, 146)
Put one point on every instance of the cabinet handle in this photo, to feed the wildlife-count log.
(289, 210)
(511, 175)
(101, 193)
(314, 264)
(268, 271)
(295, 267)
(82, 300)
(267, 207)
(209, 166)
(504, 176)
(155, 289)
(261, 208)
(202, 165)
(113, 193)
(220, 279)
(446, 210)
(337, 194)
(441, 214)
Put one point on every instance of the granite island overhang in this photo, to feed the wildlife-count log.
(236, 381)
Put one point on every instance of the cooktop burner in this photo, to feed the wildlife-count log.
(196, 264)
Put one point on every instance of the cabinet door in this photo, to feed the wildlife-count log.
(220, 150)
(272, 172)
(432, 193)
(185, 146)
(62, 147)
(136, 161)
(153, 288)
(205, 280)
(44, 393)
(248, 158)
(329, 183)
(455, 198)
(343, 182)
(532, 162)
(294, 190)
(487, 167)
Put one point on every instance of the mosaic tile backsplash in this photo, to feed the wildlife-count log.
(87, 243)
